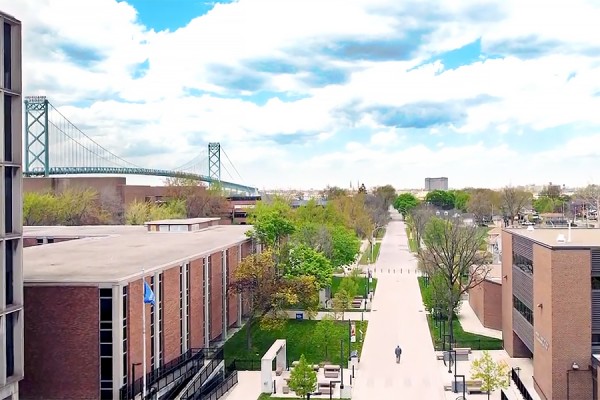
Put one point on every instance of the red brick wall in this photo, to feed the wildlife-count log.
(28, 242)
(232, 298)
(172, 328)
(216, 296)
(492, 305)
(196, 303)
(61, 343)
(476, 297)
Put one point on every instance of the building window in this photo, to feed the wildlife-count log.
(124, 349)
(9, 259)
(161, 338)
(187, 306)
(8, 128)
(8, 199)
(10, 343)
(523, 263)
(106, 344)
(152, 347)
(7, 56)
(595, 282)
(523, 309)
(595, 339)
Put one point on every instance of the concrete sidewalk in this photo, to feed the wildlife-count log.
(397, 317)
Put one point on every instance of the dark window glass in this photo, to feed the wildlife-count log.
(106, 385)
(106, 309)
(523, 309)
(105, 337)
(595, 283)
(8, 128)
(106, 350)
(7, 56)
(107, 292)
(105, 325)
(106, 369)
(8, 199)
(50, 240)
(10, 344)
(523, 263)
(9, 269)
(106, 394)
(596, 339)
(40, 241)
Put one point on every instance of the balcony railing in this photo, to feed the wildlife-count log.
(195, 389)
(520, 385)
(230, 381)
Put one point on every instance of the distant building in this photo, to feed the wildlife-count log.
(436, 184)
(11, 286)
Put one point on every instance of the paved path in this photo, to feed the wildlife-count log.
(397, 318)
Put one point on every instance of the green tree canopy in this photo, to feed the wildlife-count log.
(271, 222)
(491, 373)
(405, 203)
(303, 379)
(441, 198)
(306, 261)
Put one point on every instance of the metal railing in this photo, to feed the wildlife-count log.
(230, 381)
(245, 365)
(164, 375)
(520, 385)
(503, 395)
(476, 344)
(191, 392)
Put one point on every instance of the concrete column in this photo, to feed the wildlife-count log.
(224, 295)
(239, 296)
(156, 290)
(117, 337)
(206, 302)
(184, 268)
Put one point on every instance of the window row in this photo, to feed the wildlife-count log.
(523, 309)
(523, 263)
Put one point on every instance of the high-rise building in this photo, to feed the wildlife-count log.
(436, 184)
(11, 226)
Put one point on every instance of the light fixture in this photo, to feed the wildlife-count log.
(505, 276)
(575, 366)
(540, 305)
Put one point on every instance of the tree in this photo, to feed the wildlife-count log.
(482, 203)
(590, 195)
(341, 302)
(350, 287)
(492, 374)
(306, 261)
(199, 200)
(377, 209)
(138, 212)
(345, 246)
(325, 335)
(271, 222)
(333, 192)
(436, 297)
(418, 219)
(440, 198)
(387, 193)
(405, 203)
(354, 212)
(461, 199)
(513, 201)
(455, 252)
(303, 379)
(39, 209)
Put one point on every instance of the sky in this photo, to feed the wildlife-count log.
(304, 93)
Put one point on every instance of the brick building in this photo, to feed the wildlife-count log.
(486, 299)
(84, 292)
(11, 288)
(551, 307)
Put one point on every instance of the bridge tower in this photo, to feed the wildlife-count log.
(214, 161)
(37, 156)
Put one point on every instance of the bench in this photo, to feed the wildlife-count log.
(324, 388)
(462, 354)
(285, 389)
(473, 386)
(331, 371)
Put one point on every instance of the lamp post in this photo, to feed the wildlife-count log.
(341, 363)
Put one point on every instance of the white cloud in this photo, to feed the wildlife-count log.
(549, 81)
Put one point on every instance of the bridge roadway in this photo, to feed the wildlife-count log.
(397, 319)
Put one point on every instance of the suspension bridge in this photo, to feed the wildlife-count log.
(56, 146)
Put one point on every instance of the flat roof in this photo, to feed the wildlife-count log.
(183, 221)
(114, 254)
(580, 237)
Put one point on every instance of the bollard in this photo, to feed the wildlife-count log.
(400, 270)
(274, 387)
(408, 270)
(352, 374)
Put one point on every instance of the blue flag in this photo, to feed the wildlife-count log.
(148, 294)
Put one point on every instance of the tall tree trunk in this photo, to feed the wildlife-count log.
(249, 332)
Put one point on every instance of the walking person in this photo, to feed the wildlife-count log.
(398, 353)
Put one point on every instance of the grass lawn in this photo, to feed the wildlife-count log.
(462, 338)
(366, 256)
(300, 340)
(362, 285)
(380, 233)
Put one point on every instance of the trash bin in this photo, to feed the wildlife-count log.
(354, 353)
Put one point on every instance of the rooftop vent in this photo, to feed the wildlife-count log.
(561, 238)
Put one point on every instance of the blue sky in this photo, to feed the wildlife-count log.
(304, 94)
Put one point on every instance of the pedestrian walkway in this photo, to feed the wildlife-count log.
(397, 317)
(470, 322)
(247, 388)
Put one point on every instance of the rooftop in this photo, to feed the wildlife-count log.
(116, 253)
(580, 237)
